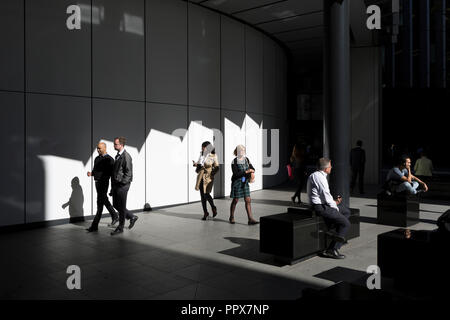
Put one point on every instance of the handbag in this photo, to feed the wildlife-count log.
(289, 171)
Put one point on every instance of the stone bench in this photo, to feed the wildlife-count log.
(417, 263)
(298, 234)
(398, 209)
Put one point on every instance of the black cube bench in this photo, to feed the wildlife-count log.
(398, 209)
(298, 234)
(417, 263)
(291, 237)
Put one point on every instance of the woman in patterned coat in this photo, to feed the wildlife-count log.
(243, 173)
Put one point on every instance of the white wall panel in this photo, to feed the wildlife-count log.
(114, 118)
(58, 156)
(254, 147)
(202, 124)
(167, 158)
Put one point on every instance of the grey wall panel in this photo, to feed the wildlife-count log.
(233, 65)
(254, 70)
(12, 49)
(114, 118)
(58, 155)
(167, 158)
(366, 106)
(204, 57)
(280, 68)
(118, 49)
(274, 171)
(58, 59)
(166, 51)
(270, 77)
(12, 133)
(202, 122)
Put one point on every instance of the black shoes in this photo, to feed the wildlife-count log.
(334, 254)
(214, 210)
(205, 215)
(252, 222)
(132, 222)
(91, 229)
(231, 219)
(114, 221)
(117, 231)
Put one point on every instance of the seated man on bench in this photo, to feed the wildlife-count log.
(333, 211)
(400, 179)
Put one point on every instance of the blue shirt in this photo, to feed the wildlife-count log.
(396, 174)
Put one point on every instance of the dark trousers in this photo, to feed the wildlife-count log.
(357, 173)
(120, 203)
(334, 218)
(205, 197)
(102, 200)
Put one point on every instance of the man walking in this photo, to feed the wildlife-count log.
(103, 167)
(357, 163)
(121, 180)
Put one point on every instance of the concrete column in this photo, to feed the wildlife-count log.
(407, 45)
(337, 105)
(439, 29)
(424, 44)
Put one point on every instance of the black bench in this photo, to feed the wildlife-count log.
(418, 263)
(298, 234)
(291, 237)
(397, 209)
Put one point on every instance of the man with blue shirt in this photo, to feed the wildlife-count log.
(400, 179)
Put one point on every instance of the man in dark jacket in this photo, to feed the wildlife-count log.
(357, 163)
(103, 167)
(121, 180)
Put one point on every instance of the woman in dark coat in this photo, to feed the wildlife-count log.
(298, 162)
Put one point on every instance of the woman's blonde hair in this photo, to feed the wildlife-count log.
(240, 146)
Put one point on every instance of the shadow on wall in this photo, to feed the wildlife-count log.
(52, 162)
(75, 202)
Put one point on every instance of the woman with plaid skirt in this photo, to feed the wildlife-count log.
(243, 173)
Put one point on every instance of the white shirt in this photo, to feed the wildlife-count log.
(319, 191)
(121, 152)
(202, 158)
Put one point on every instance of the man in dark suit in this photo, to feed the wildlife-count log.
(121, 180)
(357, 163)
(103, 167)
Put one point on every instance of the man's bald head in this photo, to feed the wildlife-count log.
(101, 148)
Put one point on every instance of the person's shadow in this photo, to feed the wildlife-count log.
(76, 201)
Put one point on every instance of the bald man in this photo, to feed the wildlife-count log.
(103, 167)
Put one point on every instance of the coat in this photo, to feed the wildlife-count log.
(207, 172)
